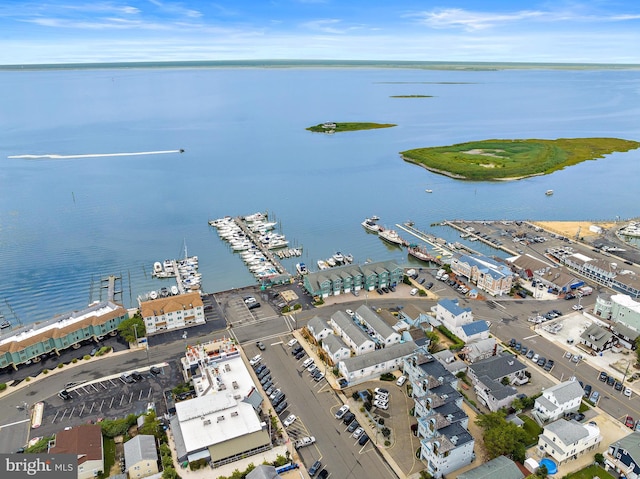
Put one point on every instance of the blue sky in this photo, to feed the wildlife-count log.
(60, 31)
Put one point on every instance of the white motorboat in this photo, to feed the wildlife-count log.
(157, 267)
(302, 268)
(348, 258)
(331, 262)
(339, 257)
(428, 191)
(370, 225)
(391, 236)
(549, 192)
(174, 290)
(153, 295)
(322, 264)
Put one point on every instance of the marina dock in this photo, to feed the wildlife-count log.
(255, 239)
(426, 237)
(477, 236)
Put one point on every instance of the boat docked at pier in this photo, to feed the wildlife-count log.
(302, 268)
(322, 264)
(371, 225)
(421, 253)
(392, 237)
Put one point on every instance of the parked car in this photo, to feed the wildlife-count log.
(549, 366)
(363, 439)
(603, 376)
(401, 380)
(296, 350)
(323, 474)
(260, 368)
(357, 433)
(136, 376)
(542, 361)
(300, 354)
(530, 354)
(155, 370)
(578, 417)
(278, 399)
(348, 417)
(281, 407)
(353, 426)
(628, 392)
(429, 285)
(254, 361)
(318, 377)
(381, 405)
(577, 307)
(291, 418)
(524, 350)
(126, 377)
(64, 394)
(292, 342)
(253, 306)
(381, 391)
(260, 345)
(587, 390)
(314, 468)
(274, 394)
(618, 386)
(611, 381)
(307, 362)
(629, 422)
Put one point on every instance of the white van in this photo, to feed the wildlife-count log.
(413, 292)
(307, 362)
(401, 380)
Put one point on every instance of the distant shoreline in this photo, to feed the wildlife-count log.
(436, 65)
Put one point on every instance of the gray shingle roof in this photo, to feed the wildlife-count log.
(631, 444)
(501, 467)
(375, 321)
(568, 432)
(334, 343)
(317, 324)
(263, 471)
(346, 324)
(497, 367)
(566, 391)
(379, 356)
(138, 448)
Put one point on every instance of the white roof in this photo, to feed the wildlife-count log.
(213, 419)
(626, 301)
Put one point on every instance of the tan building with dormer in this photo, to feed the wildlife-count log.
(172, 312)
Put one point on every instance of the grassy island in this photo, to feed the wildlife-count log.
(513, 159)
(411, 96)
(330, 127)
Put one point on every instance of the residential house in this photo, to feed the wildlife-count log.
(172, 312)
(85, 442)
(567, 440)
(478, 350)
(548, 274)
(319, 328)
(451, 315)
(335, 348)
(351, 333)
(445, 443)
(500, 467)
(619, 308)
(474, 331)
(597, 338)
(352, 277)
(494, 394)
(558, 401)
(499, 367)
(141, 456)
(264, 471)
(365, 367)
(623, 456)
(384, 334)
(487, 274)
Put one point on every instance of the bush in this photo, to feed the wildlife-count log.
(387, 443)
(86, 357)
(3, 386)
(386, 432)
(60, 366)
(45, 371)
(457, 342)
(27, 379)
(387, 377)
(74, 360)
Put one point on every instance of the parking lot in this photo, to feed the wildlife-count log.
(314, 404)
(108, 398)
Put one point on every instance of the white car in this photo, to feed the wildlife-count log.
(342, 411)
(349, 312)
(381, 397)
(401, 380)
(535, 358)
(577, 307)
(274, 394)
(292, 342)
(357, 433)
(290, 420)
(255, 360)
(380, 405)
(627, 392)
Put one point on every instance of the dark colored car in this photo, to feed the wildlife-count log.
(265, 380)
(264, 373)
(611, 381)
(300, 355)
(549, 365)
(136, 375)
(296, 350)
(578, 417)
(64, 395)
(603, 376)
(524, 350)
(587, 390)
(422, 280)
(353, 426)
(260, 368)
(542, 362)
(530, 354)
(379, 291)
(363, 440)
(348, 418)
(323, 474)
(569, 296)
(314, 468)
(512, 343)
(155, 370)
(278, 399)
(281, 407)
(618, 386)
(429, 285)
(253, 306)
(629, 422)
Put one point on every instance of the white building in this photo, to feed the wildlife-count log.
(451, 315)
(318, 328)
(488, 275)
(335, 348)
(619, 308)
(351, 333)
(222, 424)
(474, 331)
(559, 400)
(172, 312)
(358, 369)
(564, 440)
(384, 334)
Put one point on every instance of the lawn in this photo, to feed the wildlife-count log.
(531, 428)
(590, 472)
(109, 455)
(509, 159)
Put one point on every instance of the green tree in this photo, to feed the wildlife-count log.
(434, 339)
(131, 328)
(599, 458)
(152, 426)
(170, 473)
(502, 437)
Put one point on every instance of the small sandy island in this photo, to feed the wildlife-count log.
(571, 228)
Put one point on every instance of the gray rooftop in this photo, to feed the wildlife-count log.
(631, 444)
(566, 391)
(317, 324)
(263, 471)
(138, 448)
(569, 432)
(334, 343)
(379, 356)
(497, 389)
(346, 324)
(497, 367)
(375, 321)
(596, 335)
(501, 467)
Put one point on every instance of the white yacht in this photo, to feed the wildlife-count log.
(302, 268)
(322, 264)
(391, 236)
(339, 257)
(370, 225)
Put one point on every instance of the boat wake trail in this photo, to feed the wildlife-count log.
(92, 155)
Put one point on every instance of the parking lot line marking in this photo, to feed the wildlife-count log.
(130, 397)
(101, 404)
(103, 385)
(533, 336)
(149, 393)
(111, 403)
(121, 399)
(63, 414)
(93, 386)
(81, 411)
(139, 396)
(91, 409)
(54, 417)
(275, 344)
(112, 383)
(72, 410)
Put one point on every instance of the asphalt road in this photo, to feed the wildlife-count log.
(315, 404)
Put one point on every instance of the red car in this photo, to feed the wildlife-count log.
(629, 422)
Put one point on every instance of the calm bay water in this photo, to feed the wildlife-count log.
(64, 224)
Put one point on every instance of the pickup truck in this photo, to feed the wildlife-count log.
(304, 442)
